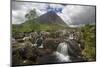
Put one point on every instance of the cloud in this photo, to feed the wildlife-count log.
(77, 15)
(18, 17)
(19, 9)
(55, 7)
(74, 15)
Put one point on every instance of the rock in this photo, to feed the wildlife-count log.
(47, 59)
(18, 35)
(42, 51)
(51, 43)
(20, 40)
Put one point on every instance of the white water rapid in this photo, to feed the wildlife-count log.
(62, 52)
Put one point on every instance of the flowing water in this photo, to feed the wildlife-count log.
(65, 51)
(62, 52)
(41, 46)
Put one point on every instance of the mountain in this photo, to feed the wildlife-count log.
(47, 21)
(50, 18)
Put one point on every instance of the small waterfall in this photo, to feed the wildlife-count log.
(35, 44)
(41, 46)
(62, 52)
(71, 36)
(63, 48)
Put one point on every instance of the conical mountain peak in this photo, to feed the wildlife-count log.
(50, 17)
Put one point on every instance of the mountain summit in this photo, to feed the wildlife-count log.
(50, 17)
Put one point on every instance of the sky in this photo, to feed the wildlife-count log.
(73, 15)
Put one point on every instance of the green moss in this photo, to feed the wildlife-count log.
(90, 42)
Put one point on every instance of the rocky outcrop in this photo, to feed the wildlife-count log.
(25, 52)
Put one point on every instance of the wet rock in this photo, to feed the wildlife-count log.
(47, 59)
(42, 51)
(51, 43)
